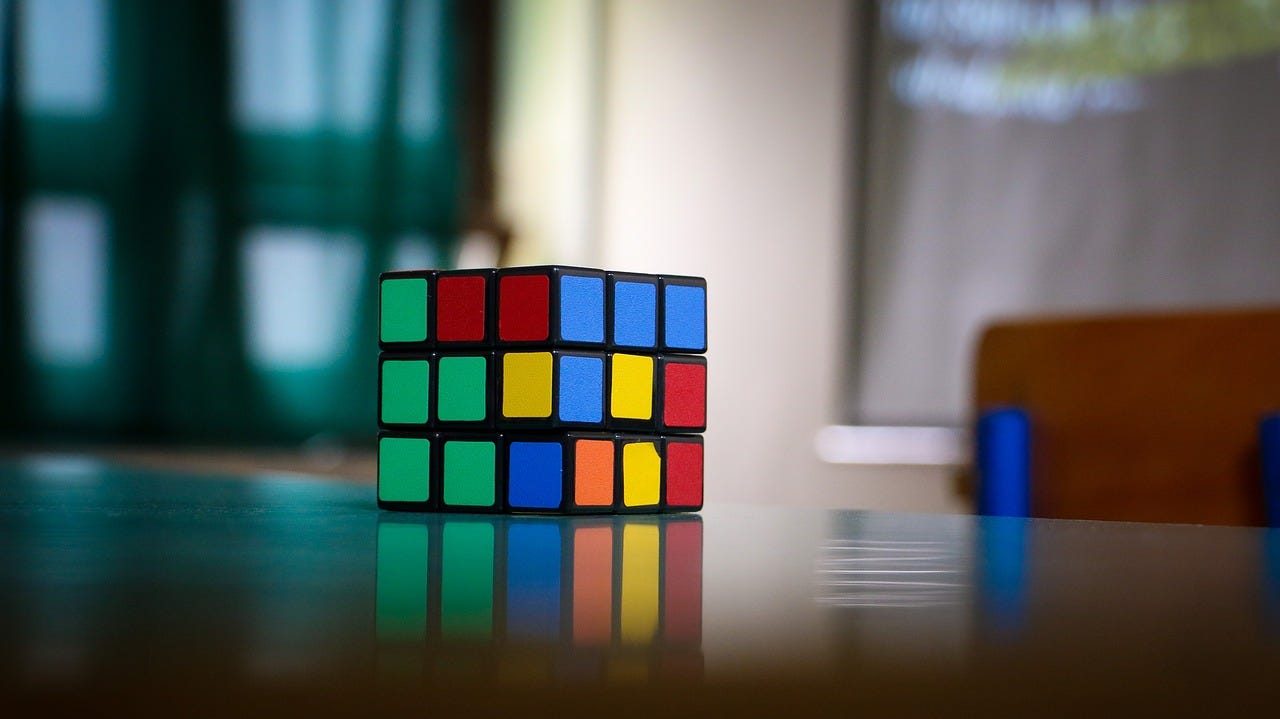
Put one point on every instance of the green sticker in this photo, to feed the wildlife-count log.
(463, 384)
(406, 391)
(404, 469)
(469, 473)
(404, 310)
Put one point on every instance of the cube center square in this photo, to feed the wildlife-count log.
(403, 309)
(405, 389)
(461, 308)
(524, 308)
(469, 472)
(404, 469)
(526, 384)
(631, 393)
(463, 388)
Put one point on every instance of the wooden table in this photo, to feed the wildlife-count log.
(159, 592)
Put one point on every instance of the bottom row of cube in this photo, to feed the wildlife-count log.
(568, 473)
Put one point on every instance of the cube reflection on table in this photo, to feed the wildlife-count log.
(607, 598)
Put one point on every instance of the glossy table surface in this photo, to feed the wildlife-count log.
(298, 595)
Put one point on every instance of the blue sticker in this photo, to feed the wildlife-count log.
(581, 389)
(685, 317)
(581, 308)
(635, 314)
(534, 474)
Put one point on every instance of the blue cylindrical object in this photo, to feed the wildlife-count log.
(1004, 462)
(1269, 443)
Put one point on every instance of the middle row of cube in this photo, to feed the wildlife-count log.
(543, 390)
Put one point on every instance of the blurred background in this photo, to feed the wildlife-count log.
(196, 199)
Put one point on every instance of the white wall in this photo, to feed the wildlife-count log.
(725, 150)
(723, 153)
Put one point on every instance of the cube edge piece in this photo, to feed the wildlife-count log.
(620, 489)
(611, 281)
(499, 505)
(661, 400)
(383, 359)
(488, 322)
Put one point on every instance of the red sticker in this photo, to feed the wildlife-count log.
(524, 308)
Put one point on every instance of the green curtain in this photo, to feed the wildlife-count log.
(196, 199)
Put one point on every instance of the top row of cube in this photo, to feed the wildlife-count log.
(548, 306)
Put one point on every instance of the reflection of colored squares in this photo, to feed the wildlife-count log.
(469, 473)
(526, 384)
(592, 585)
(684, 317)
(684, 474)
(641, 474)
(533, 579)
(403, 310)
(682, 581)
(635, 314)
(535, 475)
(593, 467)
(638, 597)
(462, 391)
(524, 308)
(581, 389)
(404, 469)
(631, 391)
(401, 604)
(581, 308)
(406, 391)
(461, 308)
(466, 579)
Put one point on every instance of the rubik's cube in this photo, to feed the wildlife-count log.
(556, 390)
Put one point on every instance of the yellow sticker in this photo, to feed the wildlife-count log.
(641, 474)
(631, 396)
(526, 384)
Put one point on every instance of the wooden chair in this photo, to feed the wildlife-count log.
(1144, 417)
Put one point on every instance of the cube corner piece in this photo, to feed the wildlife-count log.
(682, 473)
(551, 306)
(406, 299)
(684, 314)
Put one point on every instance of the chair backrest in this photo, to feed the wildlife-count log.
(1144, 418)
